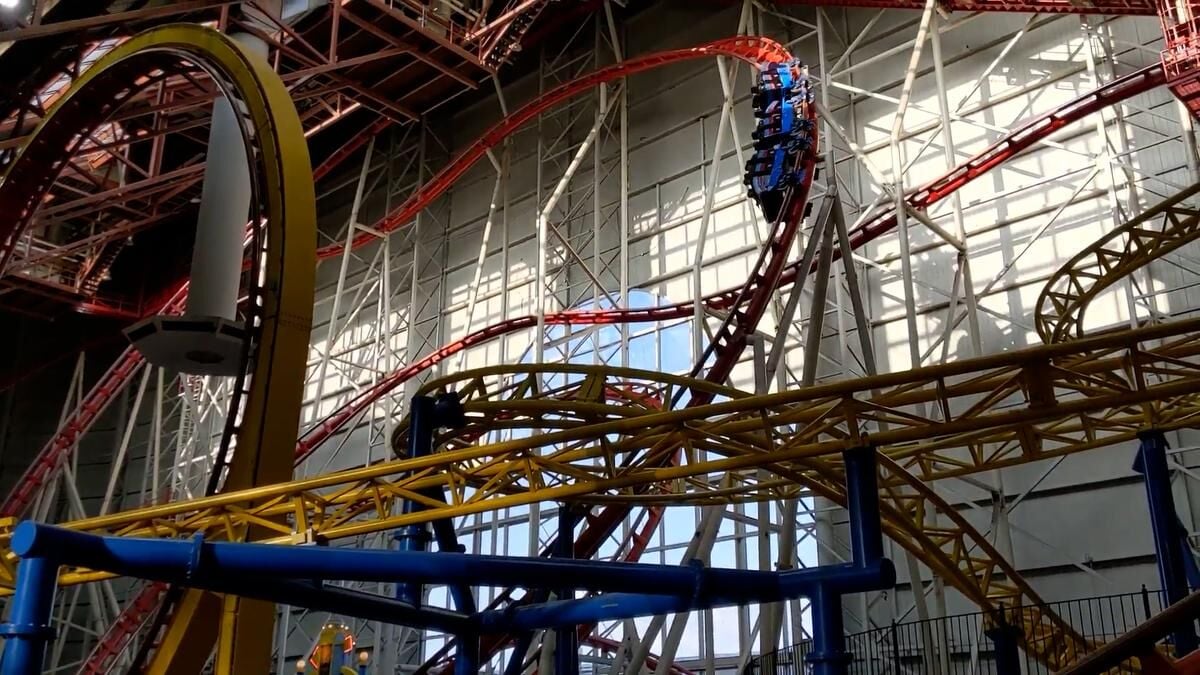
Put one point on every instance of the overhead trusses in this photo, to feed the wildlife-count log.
(819, 22)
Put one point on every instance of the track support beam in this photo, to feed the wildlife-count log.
(829, 655)
(1005, 639)
(566, 638)
(29, 631)
(1152, 464)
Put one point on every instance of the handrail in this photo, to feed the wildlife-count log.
(1139, 642)
(1108, 617)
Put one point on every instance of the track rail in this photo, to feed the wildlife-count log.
(1012, 144)
(995, 432)
(53, 455)
(751, 49)
(1164, 227)
(1020, 139)
(1041, 127)
(279, 313)
(49, 460)
(1109, 7)
(1002, 410)
(117, 638)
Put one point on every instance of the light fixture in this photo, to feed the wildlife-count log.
(9, 4)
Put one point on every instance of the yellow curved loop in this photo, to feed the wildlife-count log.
(993, 412)
(272, 409)
(1164, 227)
(913, 515)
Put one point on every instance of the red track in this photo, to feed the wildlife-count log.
(750, 49)
(1006, 148)
(1110, 7)
(57, 450)
(609, 645)
(756, 291)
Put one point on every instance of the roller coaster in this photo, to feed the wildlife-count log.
(607, 437)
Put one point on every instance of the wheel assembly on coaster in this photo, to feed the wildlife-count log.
(613, 402)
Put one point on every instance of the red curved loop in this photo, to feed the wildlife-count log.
(750, 49)
(65, 127)
(1001, 151)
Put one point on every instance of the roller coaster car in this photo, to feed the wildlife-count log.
(782, 100)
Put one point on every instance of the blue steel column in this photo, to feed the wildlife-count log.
(566, 638)
(426, 415)
(28, 630)
(421, 426)
(829, 655)
(862, 502)
(466, 655)
(1005, 640)
(1152, 464)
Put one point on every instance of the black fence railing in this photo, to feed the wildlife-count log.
(959, 644)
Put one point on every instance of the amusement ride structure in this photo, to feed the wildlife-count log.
(613, 446)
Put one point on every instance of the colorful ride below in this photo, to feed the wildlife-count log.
(333, 653)
(783, 102)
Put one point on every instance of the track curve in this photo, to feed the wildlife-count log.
(278, 313)
(750, 49)
(1160, 229)
(754, 289)
(1024, 136)
(753, 50)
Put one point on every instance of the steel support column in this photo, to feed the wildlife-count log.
(28, 630)
(416, 537)
(1005, 640)
(566, 638)
(426, 415)
(466, 654)
(1152, 464)
(828, 655)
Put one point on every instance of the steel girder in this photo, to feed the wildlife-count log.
(288, 207)
(994, 412)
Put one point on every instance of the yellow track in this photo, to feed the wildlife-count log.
(1163, 228)
(929, 423)
(991, 412)
(271, 413)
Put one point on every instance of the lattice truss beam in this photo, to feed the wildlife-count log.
(1018, 391)
(600, 438)
(393, 61)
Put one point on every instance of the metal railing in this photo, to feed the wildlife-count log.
(959, 645)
